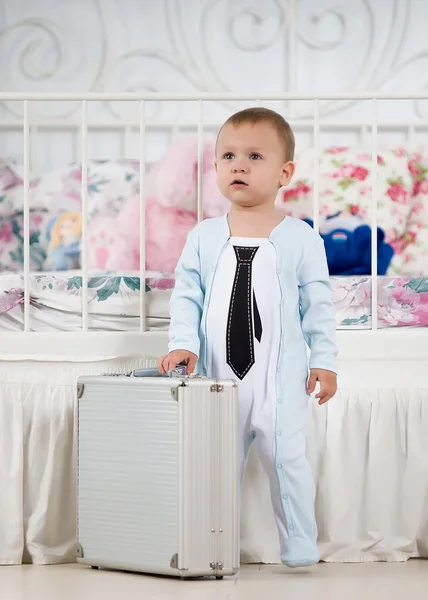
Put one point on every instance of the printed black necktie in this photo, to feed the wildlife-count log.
(239, 332)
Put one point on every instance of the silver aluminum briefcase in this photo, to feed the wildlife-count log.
(158, 484)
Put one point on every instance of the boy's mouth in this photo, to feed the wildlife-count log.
(239, 183)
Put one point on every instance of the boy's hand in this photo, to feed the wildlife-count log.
(171, 360)
(328, 384)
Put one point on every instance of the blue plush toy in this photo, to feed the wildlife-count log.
(347, 242)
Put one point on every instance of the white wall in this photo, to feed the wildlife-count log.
(208, 45)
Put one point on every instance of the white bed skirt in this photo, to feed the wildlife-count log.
(368, 448)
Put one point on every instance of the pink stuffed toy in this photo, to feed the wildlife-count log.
(166, 232)
(171, 209)
(173, 181)
(108, 249)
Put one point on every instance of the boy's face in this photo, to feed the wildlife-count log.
(250, 163)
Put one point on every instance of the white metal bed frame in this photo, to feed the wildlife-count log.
(374, 344)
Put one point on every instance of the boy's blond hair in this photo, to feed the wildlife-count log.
(260, 114)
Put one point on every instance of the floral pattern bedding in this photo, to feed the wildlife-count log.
(114, 302)
(110, 184)
(56, 301)
(12, 241)
(346, 184)
(402, 301)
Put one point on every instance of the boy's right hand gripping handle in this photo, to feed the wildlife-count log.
(179, 371)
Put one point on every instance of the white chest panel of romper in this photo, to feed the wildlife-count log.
(243, 320)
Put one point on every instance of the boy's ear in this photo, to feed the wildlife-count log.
(215, 166)
(288, 169)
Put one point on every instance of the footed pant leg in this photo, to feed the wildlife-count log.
(282, 452)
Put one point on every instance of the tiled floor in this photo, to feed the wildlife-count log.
(389, 581)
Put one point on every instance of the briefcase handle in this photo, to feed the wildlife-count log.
(179, 371)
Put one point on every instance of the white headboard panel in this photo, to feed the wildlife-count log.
(207, 46)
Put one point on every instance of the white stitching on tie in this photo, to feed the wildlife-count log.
(241, 262)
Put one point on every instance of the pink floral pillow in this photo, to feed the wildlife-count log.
(345, 185)
(12, 242)
(110, 182)
(412, 248)
(10, 189)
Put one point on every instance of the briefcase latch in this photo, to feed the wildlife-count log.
(216, 387)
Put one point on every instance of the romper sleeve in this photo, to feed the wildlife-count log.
(187, 300)
(316, 308)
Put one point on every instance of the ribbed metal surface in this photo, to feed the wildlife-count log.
(196, 540)
(228, 546)
(128, 474)
(208, 477)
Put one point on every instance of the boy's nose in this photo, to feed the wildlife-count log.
(239, 168)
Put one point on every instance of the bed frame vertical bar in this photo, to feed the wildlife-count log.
(374, 211)
(316, 192)
(84, 251)
(142, 215)
(34, 163)
(291, 54)
(27, 264)
(200, 159)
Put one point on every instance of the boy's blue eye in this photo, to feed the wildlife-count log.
(228, 156)
(255, 156)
